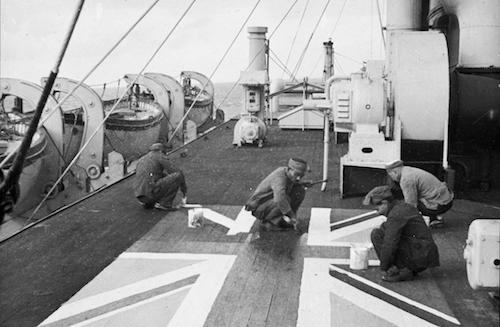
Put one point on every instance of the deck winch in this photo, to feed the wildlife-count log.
(251, 129)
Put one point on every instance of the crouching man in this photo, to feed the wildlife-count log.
(404, 244)
(278, 196)
(157, 180)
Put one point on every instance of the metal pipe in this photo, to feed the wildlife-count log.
(326, 127)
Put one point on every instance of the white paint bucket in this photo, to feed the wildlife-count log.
(195, 217)
(359, 256)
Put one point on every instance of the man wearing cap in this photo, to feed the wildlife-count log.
(422, 190)
(404, 243)
(277, 198)
(157, 180)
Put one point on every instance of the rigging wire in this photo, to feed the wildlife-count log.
(281, 64)
(214, 71)
(51, 112)
(301, 58)
(337, 63)
(347, 57)
(338, 18)
(251, 62)
(112, 110)
(12, 178)
(380, 23)
(331, 36)
(296, 33)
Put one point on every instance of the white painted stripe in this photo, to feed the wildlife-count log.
(346, 262)
(95, 301)
(163, 256)
(358, 227)
(196, 306)
(397, 295)
(129, 307)
(375, 305)
(191, 205)
(315, 306)
(243, 223)
(218, 218)
(353, 218)
(319, 227)
(314, 300)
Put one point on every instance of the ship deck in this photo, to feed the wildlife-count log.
(105, 261)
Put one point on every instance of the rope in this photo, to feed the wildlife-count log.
(214, 71)
(111, 111)
(299, 62)
(296, 33)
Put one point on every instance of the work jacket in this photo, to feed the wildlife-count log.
(407, 235)
(150, 168)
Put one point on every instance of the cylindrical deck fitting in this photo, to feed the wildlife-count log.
(257, 48)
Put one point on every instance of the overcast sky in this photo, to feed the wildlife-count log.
(32, 32)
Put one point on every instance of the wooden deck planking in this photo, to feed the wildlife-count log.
(262, 287)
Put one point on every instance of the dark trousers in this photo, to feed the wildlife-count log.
(433, 213)
(400, 259)
(165, 190)
(425, 256)
(269, 210)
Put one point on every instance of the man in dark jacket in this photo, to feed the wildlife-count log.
(277, 198)
(157, 180)
(404, 244)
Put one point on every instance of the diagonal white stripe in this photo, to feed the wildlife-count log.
(353, 218)
(95, 301)
(196, 306)
(315, 305)
(398, 296)
(129, 307)
(357, 227)
(218, 218)
(244, 221)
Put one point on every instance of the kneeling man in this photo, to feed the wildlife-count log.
(404, 244)
(278, 197)
(157, 180)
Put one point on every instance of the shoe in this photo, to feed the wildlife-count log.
(268, 227)
(164, 208)
(438, 222)
(403, 275)
(147, 206)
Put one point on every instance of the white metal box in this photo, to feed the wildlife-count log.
(482, 253)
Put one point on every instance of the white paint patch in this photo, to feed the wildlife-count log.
(320, 233)
(129, 307)
(315, 307)
(198, 303)
(396, 295)
(364, 225)
(193, 310)
(353, 218)
(319, 227)
(218, 218)
(243, 223)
